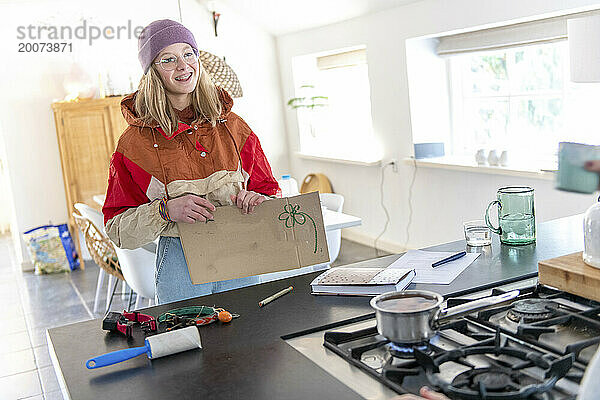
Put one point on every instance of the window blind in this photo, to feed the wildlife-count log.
(533, 32)
(345, 59)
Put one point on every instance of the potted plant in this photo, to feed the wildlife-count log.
(308, 103)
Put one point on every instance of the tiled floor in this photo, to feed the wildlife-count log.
(32, 303)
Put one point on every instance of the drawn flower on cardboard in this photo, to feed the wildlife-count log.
(292, 215)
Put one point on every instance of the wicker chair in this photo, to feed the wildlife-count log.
(101, 250)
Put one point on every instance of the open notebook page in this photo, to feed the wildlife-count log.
(421, 261)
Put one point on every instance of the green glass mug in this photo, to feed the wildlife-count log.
(516, 215)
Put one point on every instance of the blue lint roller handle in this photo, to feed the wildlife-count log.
(163, 344)
(117, 356)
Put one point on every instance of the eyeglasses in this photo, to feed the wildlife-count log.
(168, 62)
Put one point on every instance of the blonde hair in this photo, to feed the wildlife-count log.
(152, 103)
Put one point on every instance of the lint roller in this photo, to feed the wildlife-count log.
(156, 346)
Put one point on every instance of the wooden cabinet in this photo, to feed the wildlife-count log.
(87, 132)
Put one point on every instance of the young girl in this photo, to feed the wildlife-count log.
(183, 153)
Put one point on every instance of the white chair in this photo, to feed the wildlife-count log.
(138, 269)
(103, 253)
(333, 202)
(97, 219)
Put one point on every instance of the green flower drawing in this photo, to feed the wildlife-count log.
(291, 217)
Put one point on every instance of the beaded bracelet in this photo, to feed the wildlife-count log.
(162, 210)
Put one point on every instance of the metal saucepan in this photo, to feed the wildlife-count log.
(413, 316)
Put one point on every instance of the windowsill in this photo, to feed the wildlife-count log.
(457, 164)
(374, 163)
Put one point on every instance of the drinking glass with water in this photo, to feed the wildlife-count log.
(477, 233)
(516, 215)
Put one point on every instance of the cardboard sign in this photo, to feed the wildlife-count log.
(280, 234)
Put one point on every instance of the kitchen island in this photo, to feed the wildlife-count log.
(249, 358)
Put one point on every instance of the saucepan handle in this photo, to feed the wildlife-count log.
(467, 308)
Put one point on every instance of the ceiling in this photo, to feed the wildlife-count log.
(280, 17)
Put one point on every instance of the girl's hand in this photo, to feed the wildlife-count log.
(593, 166)
(190, 208)
(425, 393)
(247, 200)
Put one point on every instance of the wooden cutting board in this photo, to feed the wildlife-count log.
(571, 274)
(316, 183)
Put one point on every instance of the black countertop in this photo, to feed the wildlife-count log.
(248, 358)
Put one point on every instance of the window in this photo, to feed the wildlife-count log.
(520, 100)
(504, 88)
(510, 100)
(333, 105)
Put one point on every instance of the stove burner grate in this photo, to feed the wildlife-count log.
(493, 379)
(499, 381)
(530, 310)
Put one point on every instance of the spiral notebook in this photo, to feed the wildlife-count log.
(361, 281)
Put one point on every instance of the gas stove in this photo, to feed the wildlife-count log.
(535, 347)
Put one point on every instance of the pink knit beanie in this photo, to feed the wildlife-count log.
(160, 34)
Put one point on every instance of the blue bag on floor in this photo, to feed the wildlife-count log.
(51, 249)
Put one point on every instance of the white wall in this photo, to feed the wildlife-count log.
(428, 92)
(251, 52)
(441, 199)
(31, 81)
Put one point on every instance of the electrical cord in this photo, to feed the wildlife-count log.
(387, 214)
(410, 210)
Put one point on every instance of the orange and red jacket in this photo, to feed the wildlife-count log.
(201, 159)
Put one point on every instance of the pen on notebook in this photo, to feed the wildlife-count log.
(275, 296)
(448, 259)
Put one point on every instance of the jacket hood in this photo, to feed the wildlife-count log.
(128, 108)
